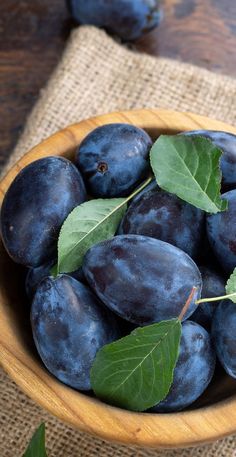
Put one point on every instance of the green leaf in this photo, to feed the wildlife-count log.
(136, 372)
(231, 286)
(36, 447)
(88, 224)
(189, 168)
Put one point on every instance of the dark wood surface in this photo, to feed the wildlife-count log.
(33, 34)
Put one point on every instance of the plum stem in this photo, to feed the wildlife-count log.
(186, 306)
(212, 299)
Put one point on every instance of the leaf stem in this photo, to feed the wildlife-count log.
(206, 300)
(136, 191)
(186, 306)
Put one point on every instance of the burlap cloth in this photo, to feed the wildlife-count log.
(97, 75)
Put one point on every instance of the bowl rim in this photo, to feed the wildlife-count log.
(172, 430)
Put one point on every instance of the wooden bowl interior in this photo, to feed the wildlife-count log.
(18, 354)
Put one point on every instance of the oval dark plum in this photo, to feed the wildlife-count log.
(164, 216)
(194, 369)
(114, 159)
(221, 232)
(78, 275)
(129, 19)
(142, 279)
(213, 285)
(69, 326)
(35, 206)
(224, 335)
(227, 143)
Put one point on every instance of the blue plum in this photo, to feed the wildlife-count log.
(69, 326)
(142, 279)
(221, 232)
(129, 19)
(79, 275)
(152, 185)
(224, 335)
(213, 285)
(164, 216)
(36, 275)
(194, 369)
(227, 143)
(35, 206)
(114, 159)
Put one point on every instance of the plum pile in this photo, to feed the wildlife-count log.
(142, 275)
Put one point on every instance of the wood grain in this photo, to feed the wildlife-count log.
(17, 354)
(33, 35)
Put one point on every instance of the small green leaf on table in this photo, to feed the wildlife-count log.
(36, 447)
(136, 372)
(189, 167)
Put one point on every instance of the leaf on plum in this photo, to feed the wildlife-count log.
(189, 167)
(88, 224)
(231, 286)
(136, 372)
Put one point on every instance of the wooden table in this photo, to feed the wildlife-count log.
(33, 35)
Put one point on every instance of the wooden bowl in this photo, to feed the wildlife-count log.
(212, 418)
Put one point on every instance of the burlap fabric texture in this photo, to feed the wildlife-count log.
(97, 75)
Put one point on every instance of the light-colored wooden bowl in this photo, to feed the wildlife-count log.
(214, 418)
